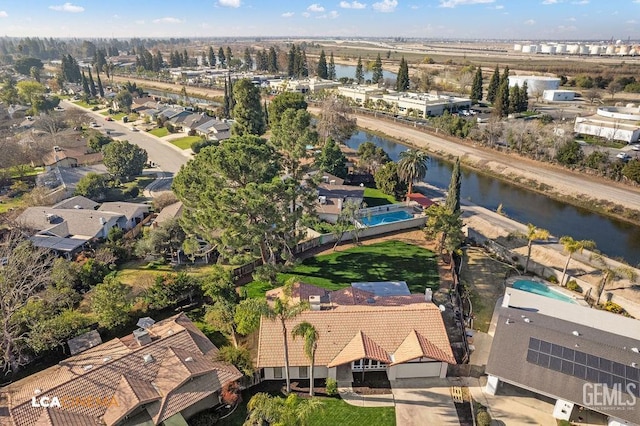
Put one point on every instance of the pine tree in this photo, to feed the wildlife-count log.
(476, 88)
(247, 113)
(505, 75)
(377, 76)
(221, 58)
(266, 113)
(321, 70)
(203, 59)
(304, 65)
(212, 57)
(248, 60)
(494, 85)
(229, 56)
(402, 82)
(453, 195)
(227, 101)
(85, 85)
(524, 97)
(100, 88)
(291, 63)
(501, 105)
(514, 99)
(359, 71)
(331, 70)
(273, 60)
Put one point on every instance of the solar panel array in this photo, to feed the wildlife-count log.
(584, 366)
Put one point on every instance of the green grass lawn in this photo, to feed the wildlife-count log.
(10, 203)
(337, 412)
(118, 194)
(385, 261)
(83, 104)
(141, 275)
(185, 142)
(374, 197)
(160, 132)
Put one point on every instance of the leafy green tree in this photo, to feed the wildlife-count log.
(524, 98)
(219, 285)
(332, 160)
(359, 71)
(281, 312)
(572, 246)
(110, 302)
(476, 88)
(370, 157)
(93, 186)
(631, 170)
(291, 136)
(494, 85)
(501, 104)
(239, 357)
(233, 319)
(248, 59)
(29, 90)
(247, 113)
(96, 140)
(211, 56)
(24, 65)
(532, 234)
(171, 289)
(377, 75)
(322, 70)
(446, 225)
(163, 240)
(388, 181)
(222, 58)
(331, 69)
(402, 80)
(310, 337)
(124, 160)
(272, 60)
(283, 102)
(274, 410)
(92, 86)
(453, 194)
(598, 160)
(100, 88)
(412, 167)
(346, 221)
(56, 330)
(124, 100)
(85, 86)
(8, 91)
(570, 153)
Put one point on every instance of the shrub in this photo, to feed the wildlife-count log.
(205, 418)
(564, 423)
(331, 386)
(614, 307)
(133, 192)
(553, 279)
(483, 418)
(573, 286)
(95, 108)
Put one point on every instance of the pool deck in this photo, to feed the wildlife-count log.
(576, 297)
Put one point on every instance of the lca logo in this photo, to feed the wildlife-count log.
(45, 402)
(69, 402)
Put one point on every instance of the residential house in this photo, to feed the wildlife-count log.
(214, 130)
(77, 202)
(70, 157)
(171, 211)
(133, 212)
(194, 120)
(405, 339)
(333, 197)
(159, 375)
(583, 358)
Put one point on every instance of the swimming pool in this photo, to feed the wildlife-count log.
(541, 290)
(388, 217)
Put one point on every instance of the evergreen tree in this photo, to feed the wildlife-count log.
(273, 60)
(377, 76)
(85, 85)
(322, 71)
(494, 85)
(228, 55)
(402, 82)
(304, 65)
(332, 160)
(331, 70)
(266, 112)
(501, 104)
(505, 75)
(453, 194)
(524, 97)
(203, 59)
(514, 99)
(185, 58)
(291, 62)
(227, 101)
(359, 71)
(92, 86)
(247, 113)
(100, 88)
(221, 58)
(158, 61)
(211, 56)
(476, 88)
(248, 60)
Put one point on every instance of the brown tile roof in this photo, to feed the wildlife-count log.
(57, 417)
(350, 296)
(98, 373)
(387, 326)
(299, 292)
(360, 347)
(129, 395)
(418, 346)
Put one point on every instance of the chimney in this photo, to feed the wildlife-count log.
(314, 301)
(428, 295)
(142, 336)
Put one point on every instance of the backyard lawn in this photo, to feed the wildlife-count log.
(185, 142)
(141, 275)
(374, 197)
(385, 261)
(160, 132)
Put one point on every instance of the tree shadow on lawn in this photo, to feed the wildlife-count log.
(419, 271)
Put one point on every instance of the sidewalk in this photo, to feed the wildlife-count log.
(350, 397)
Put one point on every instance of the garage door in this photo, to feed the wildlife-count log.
(427, 369)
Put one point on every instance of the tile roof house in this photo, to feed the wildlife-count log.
(134, 212)
(404, 338)
(171, 211)
(332, 197)
(70, 157)
(167, 377)
(567, 352)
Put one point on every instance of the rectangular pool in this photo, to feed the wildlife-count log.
(541, 290)
(388, 217)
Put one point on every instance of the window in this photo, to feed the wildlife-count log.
(303, 372)
(277, 372)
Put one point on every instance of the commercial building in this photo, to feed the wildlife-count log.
(558, 95)
(360, 94)
(425, 104)
(611, 123)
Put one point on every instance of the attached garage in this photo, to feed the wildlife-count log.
(417, 369)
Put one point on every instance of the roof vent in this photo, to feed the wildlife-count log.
(527, 320)
(170, 332)
(106, 359)
(188, 359)
(37, 391)
(509, 322)
(314, 301)
(634, 364)
(77, 207)
(142, 336)
(148, 358)
(575, 333)
(87, 367)
(635, 350)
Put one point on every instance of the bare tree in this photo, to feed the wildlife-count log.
(335, 121)
(50, 123)
(613, 88)
(25, 270)
(76, 117)
(464, 81)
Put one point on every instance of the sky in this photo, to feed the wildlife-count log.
(464, 19)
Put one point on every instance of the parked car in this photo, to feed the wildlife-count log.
(58, 108)
(636, 147)
(94, 124)
(108, 118)
(623, 156)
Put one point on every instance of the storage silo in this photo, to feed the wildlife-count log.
(535, 84)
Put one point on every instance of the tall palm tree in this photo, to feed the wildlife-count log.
(283, 311)
(533, 234)
(310, 335)
(572, 246)
(412, 167)
(610, 274)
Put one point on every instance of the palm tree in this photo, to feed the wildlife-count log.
(533, 233)
(283, 311)
(291, 410)
(412, 167)
(310, 335)
(572, 246)
(610, 274)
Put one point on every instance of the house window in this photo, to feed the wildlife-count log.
(277, 372)
(303, 372)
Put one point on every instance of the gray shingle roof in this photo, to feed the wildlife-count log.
(80, 222)
(129, 210)
(78, 200)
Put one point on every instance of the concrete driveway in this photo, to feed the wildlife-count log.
(423, 402)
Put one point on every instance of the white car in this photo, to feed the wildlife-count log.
(94, 124)
(134, 129)
(58, 108)
(635, 147)
(623, 156)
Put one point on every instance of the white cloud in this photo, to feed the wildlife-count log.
(453, 3)
(287, 14)
(331, 15)
(67, 7)
(3, 14)
(529, 22)
(567, 28)
(580, 2)
(229, 3)
(499, 7)
(414, 7)
(386, 6)
(168, 20)
(306, 14)
(315, 8)
(572, 19)
(353, 5)
(631, 21)
(550, 2)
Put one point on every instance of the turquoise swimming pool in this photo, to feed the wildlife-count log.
(387, 217)
(541, 290)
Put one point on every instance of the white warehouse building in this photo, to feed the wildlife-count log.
(611, 123)
(426, 104)
(535, 84)
(558, 95)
